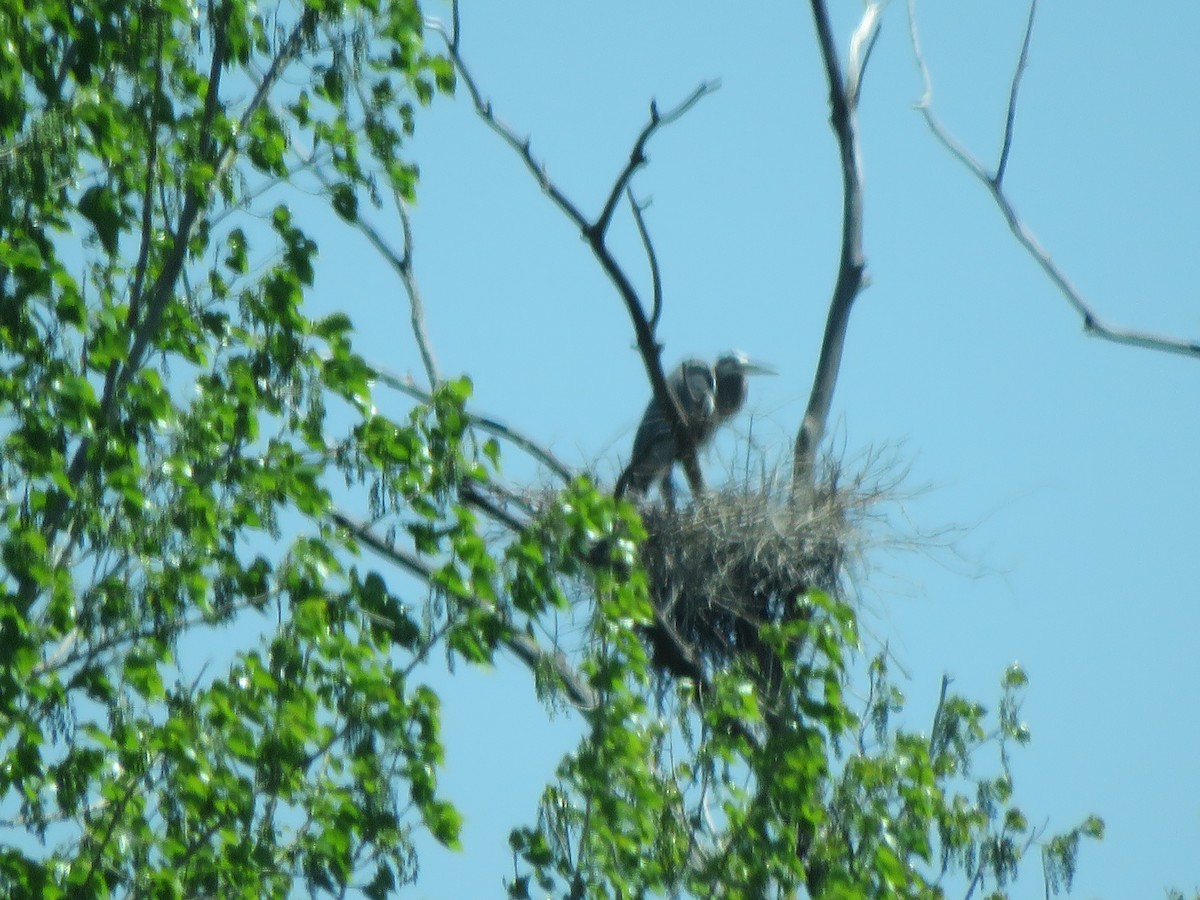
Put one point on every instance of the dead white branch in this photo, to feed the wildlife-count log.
(843, 105)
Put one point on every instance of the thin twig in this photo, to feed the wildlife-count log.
(143, 258)
(1092, 323)
(415, 303)
(1010, 117)
(976, 881)
(861, 45)
(651, 256)
(936, 725)
(402, 265)
(471, 494)
(637, 156)
(509, 136)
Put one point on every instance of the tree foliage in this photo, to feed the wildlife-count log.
(180, 440)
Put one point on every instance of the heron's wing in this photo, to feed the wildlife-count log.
(653, 447)
(654, 450)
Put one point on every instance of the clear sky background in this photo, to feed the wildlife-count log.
(1064, 468)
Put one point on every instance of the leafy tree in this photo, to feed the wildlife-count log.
(185, 447)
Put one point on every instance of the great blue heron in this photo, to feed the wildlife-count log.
(708, 395)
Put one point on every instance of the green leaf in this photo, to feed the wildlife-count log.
(99, 205)
(345, 201)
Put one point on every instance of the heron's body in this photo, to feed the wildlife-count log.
(654, 446)
(708, 397)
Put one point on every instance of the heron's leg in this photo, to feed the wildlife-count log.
(668, 490)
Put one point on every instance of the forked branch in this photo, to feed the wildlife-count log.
(994, 182)
(595, 233)
(401, 262)
(651, 258)
(844, 93)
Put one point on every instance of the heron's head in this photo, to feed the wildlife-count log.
(731, 371)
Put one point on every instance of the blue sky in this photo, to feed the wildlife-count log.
(1063, 467)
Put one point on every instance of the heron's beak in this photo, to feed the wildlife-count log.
(756, 368)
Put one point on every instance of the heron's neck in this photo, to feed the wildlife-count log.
(731, 394)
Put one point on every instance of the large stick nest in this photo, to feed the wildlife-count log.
(739, 557)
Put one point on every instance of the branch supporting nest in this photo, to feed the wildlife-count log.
(844, 92)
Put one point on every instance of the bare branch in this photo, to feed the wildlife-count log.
(525, 648)
(415, 304)
(1092, 323)
(507, 134)
(595, 233)
(402, 265)
(1011, 116)
(651, 256)
(637, 156)
(851, 267)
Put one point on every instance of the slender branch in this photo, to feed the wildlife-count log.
(471, 494)
(456, 24)
(143, 258)
(415, 304)
(118, 375)
(508, 135)
(521, 645)
(97, 855)
(651, 256)
(1092, 323)
(977, 880)
(595, 233)
(164, 285)
(66, 654)
(349, 724)
(403, 266)
(851, 266)
(160, 292)
(1010, 117)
